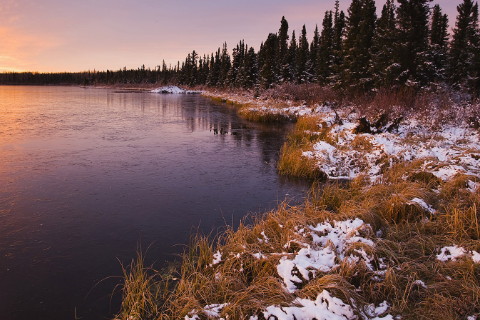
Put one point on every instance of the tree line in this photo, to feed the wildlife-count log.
(357, 51)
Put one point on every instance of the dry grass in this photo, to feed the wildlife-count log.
(410, 239)
(434, 107)
(407, 238)
(143, 290)
(305, 134)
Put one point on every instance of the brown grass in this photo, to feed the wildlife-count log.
(407, 239)
(143, 291)
(306, 133)
(410, 240)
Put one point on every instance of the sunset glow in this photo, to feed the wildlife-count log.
(55, 35)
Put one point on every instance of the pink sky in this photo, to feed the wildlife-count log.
(64, 35)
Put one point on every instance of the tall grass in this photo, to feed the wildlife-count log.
(408, 243)
(407, 236)
(143, 291)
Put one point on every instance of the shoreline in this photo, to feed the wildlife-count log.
(362, 249)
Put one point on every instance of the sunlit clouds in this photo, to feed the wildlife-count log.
(63, 35)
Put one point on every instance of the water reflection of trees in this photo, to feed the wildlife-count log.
(224, 121)
(201, 115)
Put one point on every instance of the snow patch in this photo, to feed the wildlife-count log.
(451, 253)
(324, 307)
(217, 258)
(422, 204)
(452, 150)
(475, 257)
(211, 311)
(173, 90)
(330, 244)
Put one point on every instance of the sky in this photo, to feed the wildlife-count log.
(65, 35)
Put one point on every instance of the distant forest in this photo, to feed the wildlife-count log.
(409, 45)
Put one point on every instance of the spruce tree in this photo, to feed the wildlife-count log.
(312, 64)
(238, 55)
(439, 43)
(339, 24)
(225, 65)
(302, 57)
(356, 73)
(475, 78)
(283, 50)
(325, 56)
(268, 55)
(412, 48)
(292, 59)
(385, 66)
(215, 66)
(248, 73)
(464, 45)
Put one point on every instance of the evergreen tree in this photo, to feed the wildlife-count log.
(325, 56)
(302, 57)
(292, 59)
(268, 55)
(215, 66)
(412, 48)
(338, 31)
(339, 26)
(357, 59)
(475, 77)
(464, 45)
(283, 50)
(225, 65)
(247, 75)
(385, 66)
(238, 55)
(439, 43)
(312, 63)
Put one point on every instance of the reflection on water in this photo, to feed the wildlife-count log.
(87, 174)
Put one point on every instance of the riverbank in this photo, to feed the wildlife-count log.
(399, 237)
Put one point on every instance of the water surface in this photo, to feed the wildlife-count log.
(88, 174)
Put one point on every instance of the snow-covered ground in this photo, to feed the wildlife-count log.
(323, 247)
(286, 108)
(453, 253)
(444, 151)
(345, 152)
(174, 90)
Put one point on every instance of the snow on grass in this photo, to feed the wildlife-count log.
(451, 253)
(446, 152)
(217, 258)
(258, 255)
(373, 312)
(212, 311)
(324, 307)
(455, 252)
(173, 90)
(472, 186)
(284, 108)
(446, 149)
(330, 244)
(420, 283)
(422, 204)
(475, 257)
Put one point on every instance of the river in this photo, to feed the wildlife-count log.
(87, 175)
